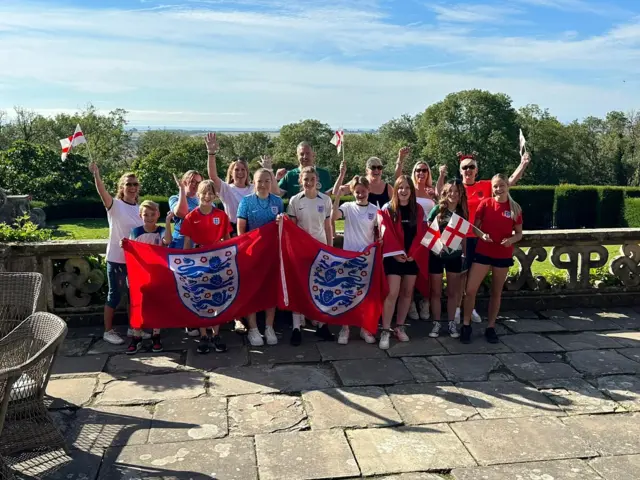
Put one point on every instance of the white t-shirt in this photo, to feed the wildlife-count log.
(311, 213)
(426, 204)
(230, 195)
(359, 225)
(123, 217)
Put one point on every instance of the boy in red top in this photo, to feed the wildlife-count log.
(204, 227)
(500, 218)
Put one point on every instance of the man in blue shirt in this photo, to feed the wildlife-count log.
(183, 203)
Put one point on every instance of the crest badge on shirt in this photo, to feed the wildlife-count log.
(274, 209)
(320, 208)
(216, 221)
(507, 213)
(371, 216)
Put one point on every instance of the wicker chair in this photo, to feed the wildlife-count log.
(31, 347)
(7, 378)
(19, 293)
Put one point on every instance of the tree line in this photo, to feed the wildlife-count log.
(593, 151)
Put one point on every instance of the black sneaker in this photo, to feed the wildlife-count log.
(134, 346)
(156, 346)
(296, 337)
(218, 346)
(491, 335)
(324, 333)
(465, 334)
(204, 346)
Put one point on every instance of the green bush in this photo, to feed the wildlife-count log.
(576, 206)
(24, 230)
(632, 212)
(611, 207)
(537, 205)
(80, 208)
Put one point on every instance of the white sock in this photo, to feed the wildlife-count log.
(297, 320)
(458, 311)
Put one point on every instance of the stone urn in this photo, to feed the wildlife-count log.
(14, 206)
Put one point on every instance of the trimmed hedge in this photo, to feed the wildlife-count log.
(537, 204)
(611, 208)
(632, 212)
(576, 207)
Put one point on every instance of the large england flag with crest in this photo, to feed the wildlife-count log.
(172, 288)
(328, 284)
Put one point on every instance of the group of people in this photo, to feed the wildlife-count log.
(408, 206)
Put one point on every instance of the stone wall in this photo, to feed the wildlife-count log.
(74, 286)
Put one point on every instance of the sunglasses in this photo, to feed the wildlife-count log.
(421, 170)
(132, 184)
(468, 167)
(376, 167)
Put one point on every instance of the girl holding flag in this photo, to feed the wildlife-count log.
(402, 228)
(500, 217)
(360, 224)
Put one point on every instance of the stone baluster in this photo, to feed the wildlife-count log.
(525, 276)
(579, 263)
(626, 266)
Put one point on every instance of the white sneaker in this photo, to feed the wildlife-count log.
(453, 330)
(384, 340)
(192, 332)
(413, 311)
(366, 336)
(255, 339)
(112, 337)
(424, 310)
(457, 317)
(435, 331)
(270, 335)
(401, 335)
(343, 336)
(145, 335)
(475, 317)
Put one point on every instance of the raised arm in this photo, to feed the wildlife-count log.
(181, 208)
(211, 142)
(442, 178)
(266, 162)
(167, 229)
(403, 153)
(105, 196)
(519, 172)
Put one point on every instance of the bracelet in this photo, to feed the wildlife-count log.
(212, 153)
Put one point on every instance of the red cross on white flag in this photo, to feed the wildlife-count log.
(432, 239)
(73, 141)
(523, 143)
(338, 139)
(455, 231)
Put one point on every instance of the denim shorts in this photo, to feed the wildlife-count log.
(117, 278)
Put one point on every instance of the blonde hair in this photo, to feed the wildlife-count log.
(232, 165)
(311, 170)
(189, 174)
(121, 184)
(207, 185)
(358, 180)
(260, 171)
(151, 205)
(414, 178)
(516, 209)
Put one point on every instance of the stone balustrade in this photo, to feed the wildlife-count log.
(75, 285)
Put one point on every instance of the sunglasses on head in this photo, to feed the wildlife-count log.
(132, 184)
(468, 167)
(375, 167)
(421, 170)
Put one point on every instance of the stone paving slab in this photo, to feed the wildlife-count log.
(478, 345)
(57, 465)
(233, 357)
(630, 353)
(387, 371)
(626, 338)
(522, 314)
(602, 362)
(423, 370)
(526, 368)
(584, 341)
(532, 326)
(350, 407)
(625, 317)
(223, 459)
(152, 389)
(78, 366)
(100, 346)
(421, 404)
(305, 456)
(417, 347)
(507, 400)
(65, 392)
(187, 420)
(530, 342)
(144, 363)
(405, 449)
(284, 353)
(470, 368)
(75, 347)
(624, 389)
(104, 427)
(623, 467)
(262, 413)
(575, 396)
(584, 324)
(412, 476)
(552, 470)
(551, 314)
(547, 357)
(616, 434)
(517, 440)
(354, 350)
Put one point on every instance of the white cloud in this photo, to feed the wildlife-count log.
(473, 13)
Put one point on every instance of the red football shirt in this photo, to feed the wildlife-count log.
(498, 224)
(205, 230)
(475, 194)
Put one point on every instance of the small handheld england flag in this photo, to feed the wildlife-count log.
(431, 239)
(338, 139)
(455, 232)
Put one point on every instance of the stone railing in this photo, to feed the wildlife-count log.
(75, 282)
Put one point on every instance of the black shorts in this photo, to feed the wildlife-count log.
(394, 267)
(472, 242)
(494, 262)
(438, 264)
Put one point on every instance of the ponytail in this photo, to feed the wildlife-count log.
(516, 209)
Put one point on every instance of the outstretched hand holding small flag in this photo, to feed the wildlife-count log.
(73, 141)
(338, 139)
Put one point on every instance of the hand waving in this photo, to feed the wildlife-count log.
(403, 153)
(181, 185)
(280, 174)
(212, 142)
(525, 159)
(443, 170)
(266, 162)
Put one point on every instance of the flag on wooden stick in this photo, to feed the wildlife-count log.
(338, 140)
(73, 141)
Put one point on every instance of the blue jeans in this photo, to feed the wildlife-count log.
(117, 278)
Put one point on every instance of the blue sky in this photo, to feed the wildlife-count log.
(349, 63)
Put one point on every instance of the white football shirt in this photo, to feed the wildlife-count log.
(359, 225)
(311, 213)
